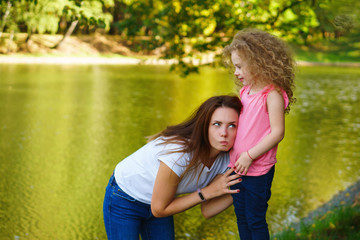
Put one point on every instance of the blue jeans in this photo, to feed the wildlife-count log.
(250, 206)
(126, 218)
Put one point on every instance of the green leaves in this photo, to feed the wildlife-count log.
(183, 29)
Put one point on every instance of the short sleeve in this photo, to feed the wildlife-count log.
(176, 161)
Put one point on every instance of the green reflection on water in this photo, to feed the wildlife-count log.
(64, 128)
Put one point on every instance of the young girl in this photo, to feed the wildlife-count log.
(264, 68)
(142, 194)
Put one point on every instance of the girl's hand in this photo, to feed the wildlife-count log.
(242, 164)
(220, 185)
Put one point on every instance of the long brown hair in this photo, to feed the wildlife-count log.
(193, 133)
(269, 59)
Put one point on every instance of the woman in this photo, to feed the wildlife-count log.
(142, 194)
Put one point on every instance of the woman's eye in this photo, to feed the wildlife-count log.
(232, 126)
(216, 124)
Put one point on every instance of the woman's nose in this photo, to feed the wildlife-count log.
(223, 132)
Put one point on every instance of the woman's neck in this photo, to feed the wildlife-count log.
(210, 161)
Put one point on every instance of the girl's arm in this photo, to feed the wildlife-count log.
(275, 107)
(164, 202)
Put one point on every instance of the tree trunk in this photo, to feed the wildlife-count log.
(30, 32)
(27, 40)
(68, 33)
(10, 41)
(7, 12)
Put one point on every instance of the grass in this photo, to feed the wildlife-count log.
(341, 223)
(343, 49)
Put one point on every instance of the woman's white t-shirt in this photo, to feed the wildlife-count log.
(136, 174)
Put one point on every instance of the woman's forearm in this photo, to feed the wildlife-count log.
(216, 205)
(177, 205)
(164, 203)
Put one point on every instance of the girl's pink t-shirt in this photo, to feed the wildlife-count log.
(253, 126)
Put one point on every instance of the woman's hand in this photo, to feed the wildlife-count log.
(220, 185)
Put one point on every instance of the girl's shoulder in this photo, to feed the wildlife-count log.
(267, 89)
(276, 92)
(273, 89)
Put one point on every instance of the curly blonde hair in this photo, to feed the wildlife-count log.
(269, 59)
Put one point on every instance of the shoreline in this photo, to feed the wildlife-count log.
(80, 60)
(348, 197)
(119, 60)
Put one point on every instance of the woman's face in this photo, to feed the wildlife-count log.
(222, 130)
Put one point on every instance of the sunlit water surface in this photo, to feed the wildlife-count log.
(64, 128)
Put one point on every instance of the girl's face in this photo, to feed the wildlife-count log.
(222, 130)
(241, 72)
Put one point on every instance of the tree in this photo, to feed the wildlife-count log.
(186, 28)
(6, 14)
(337, 18)
(85, 12)
(41, 16)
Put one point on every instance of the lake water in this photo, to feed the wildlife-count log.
(64, 128)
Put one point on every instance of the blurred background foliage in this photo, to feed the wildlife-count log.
(186, 30)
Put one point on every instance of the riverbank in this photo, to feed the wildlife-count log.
(121, 60)
(350, 196)
(80, 60)
(339, 217)
(114, 50)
